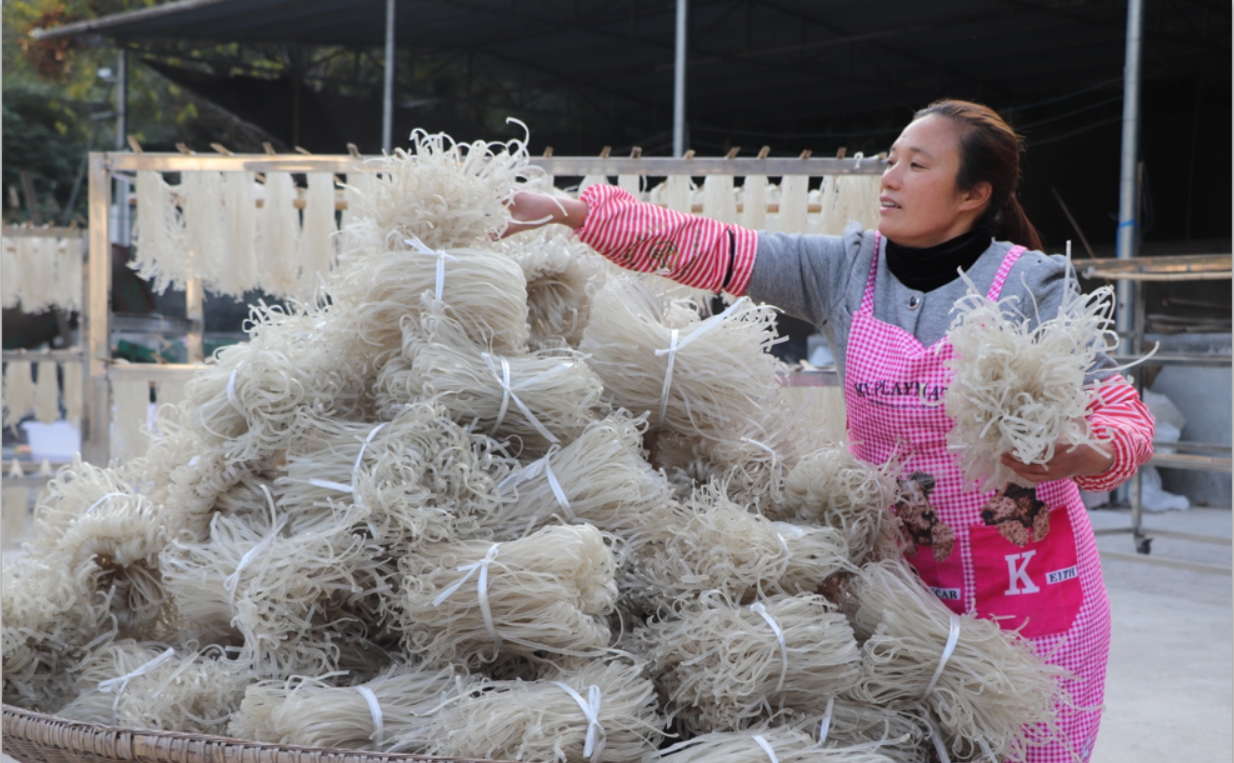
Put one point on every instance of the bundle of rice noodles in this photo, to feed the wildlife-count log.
(708, 543)
(10, 273)
(290, 598)
(72, 395)
(359, 186)
(18, 391)
(428, 478)
(250, 397)
(205, 225)
(901, 734)
(721, 666)
(794, 204)
(561, 272)
(480, 288)
(76, 490)
(599, 478)
(856, 200)
(279, 225)
(833, 487)
(52, 619)
(548, 592)
(754, 202)
(398, 704)
(764, 743)
(69, 272)
(114, 546)
(719, 199)
(987, 693)
(144, 685)
(449, 195)
(240, 235)
(604, 711)
(318, 247)
(1018, 383)
(161, 255)
(47, 393)
(539, 399)
(702, 378)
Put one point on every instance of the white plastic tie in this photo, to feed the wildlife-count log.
(231, 391)
(339, 486)
(99, 502)
(593, 747)
(374, 709)
(509, 392)
(441, 256)
(858, 156)
(764, 446)
(775, 628)
(481, 589)
(676, 343)
(824, 727)
(121, 683)
(232, 582)
(329, 485)
(936, 737)
(953, 637)
(766, 747)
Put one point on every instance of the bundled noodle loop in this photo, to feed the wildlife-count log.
(983, 684)
(722, 666)
(764, 744)
(606, 711)
(468, 602)
(1019, 379)
(711, 544)
(396, 705)
(541, 398)
(697, 377)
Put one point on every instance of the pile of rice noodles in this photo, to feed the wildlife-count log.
(561, 273)
(709, 543)
(599, 478)
(764, 744)
(1018, 382)
(833, 487)
(158, 234)
(605, 711)
(470, 602)
(482, 289)
(250, 395)
(539, 399)
(699, 377)
(375, 715)
(145, 685)
(448, 195)
(420, 475)
(721, 665)
(293, 599)
(52, 619)
(990, 692)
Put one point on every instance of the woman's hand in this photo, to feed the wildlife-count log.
(1068, 462)
(530, 210)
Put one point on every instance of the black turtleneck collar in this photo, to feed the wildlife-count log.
(934, 266)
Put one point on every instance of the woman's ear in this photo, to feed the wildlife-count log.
(976, 197)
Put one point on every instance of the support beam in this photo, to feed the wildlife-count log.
(387, 90)
(1128, 188)
(96, 317)
(679, 83)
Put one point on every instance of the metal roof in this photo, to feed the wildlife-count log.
(763, 58)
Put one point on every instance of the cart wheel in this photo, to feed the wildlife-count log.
(1144, 546)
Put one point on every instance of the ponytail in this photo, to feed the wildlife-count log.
(990, 153)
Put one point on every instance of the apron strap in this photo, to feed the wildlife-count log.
(867, 297)
(1000, 278)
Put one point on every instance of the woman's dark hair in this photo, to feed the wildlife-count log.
(990, 152)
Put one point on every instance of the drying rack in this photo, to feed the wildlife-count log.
(96, 322)
(1194, 456)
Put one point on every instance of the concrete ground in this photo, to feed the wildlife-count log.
(1168, 691)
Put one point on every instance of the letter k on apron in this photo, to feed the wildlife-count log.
(1024, 556)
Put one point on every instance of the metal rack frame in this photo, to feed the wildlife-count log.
(96, 321)
(1204, 456)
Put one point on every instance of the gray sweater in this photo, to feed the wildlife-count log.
(820, 279)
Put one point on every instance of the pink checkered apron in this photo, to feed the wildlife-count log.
(1030, 560)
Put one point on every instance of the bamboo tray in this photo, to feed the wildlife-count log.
(33, 737)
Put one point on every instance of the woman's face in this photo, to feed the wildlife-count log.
(919, 204)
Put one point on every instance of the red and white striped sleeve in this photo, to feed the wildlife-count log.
(1117, 414)
(695, 251)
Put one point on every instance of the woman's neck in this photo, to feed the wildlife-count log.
(928, 268)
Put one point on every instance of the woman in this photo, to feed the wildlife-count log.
(883, 299)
